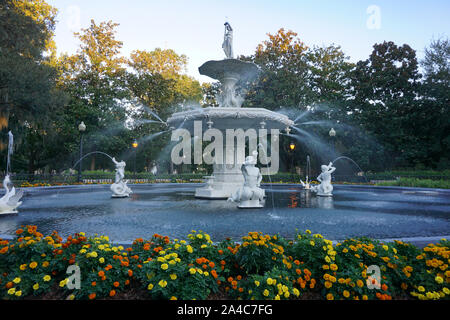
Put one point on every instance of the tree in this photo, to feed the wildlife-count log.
(385, 92)
(95, 78)
(433, 121)
(159, 84)
(27, 76)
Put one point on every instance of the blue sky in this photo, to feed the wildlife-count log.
(195, 27)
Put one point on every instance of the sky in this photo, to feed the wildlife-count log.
(195, 27)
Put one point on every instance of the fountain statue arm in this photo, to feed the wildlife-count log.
(331, 169)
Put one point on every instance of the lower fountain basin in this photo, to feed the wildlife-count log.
(172, 210)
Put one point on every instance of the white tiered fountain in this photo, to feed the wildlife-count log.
(226, 177)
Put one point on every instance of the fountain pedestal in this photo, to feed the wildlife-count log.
(222, 183)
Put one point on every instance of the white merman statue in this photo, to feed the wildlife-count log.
(250, 195)
(10, 201)
(325, 187)
(119, 187)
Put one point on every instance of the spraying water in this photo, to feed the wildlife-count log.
(152, 136)
(347, 158)
(88, 154)
(10, 152)
(260, 145)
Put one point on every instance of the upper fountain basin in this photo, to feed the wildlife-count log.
(230, 118)
(235, 68)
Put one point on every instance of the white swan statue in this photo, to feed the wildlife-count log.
(10, 201)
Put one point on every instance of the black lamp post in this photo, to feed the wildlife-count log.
(135, 145)
(81, 129)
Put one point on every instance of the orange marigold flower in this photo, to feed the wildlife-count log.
(101, 273)
(94, 283)
(116, 284)
(19, 231)
(92, 296)
(112, 293)
(130, 272)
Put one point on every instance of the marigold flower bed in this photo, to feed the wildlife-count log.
(261, 267)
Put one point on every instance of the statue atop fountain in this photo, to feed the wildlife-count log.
(119, 187)
(250, 195)
(325, 188)
(227, 44)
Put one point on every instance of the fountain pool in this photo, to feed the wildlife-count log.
(172, 210)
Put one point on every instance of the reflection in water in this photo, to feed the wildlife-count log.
(307, 200)
(294, 202)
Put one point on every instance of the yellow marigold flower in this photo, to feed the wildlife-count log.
(164, 266)
(36, 286)
(277, 297)
(327, 259)
(173, 276)
(439, 279)
(446, 290)
(173, 298)
(385, 247)
(101, 260)
(364, 297)
(150, 286)
(11, 291)
(269, 281)
(45, 264)
(189, 249)
(18, 293)
(360, 283)
(257, 283)
(312, 243)
(23, 266)
(17, 280)
(266, 293)
(200, 236)
(94, 254)
(47, 278)
(346, 294)
(286, 294)
(162, 283)
(330, 296)
(333, 267)
(296, 292)
(192, 270)
(325, 267)
(421, 289)
(62, 283)
(328, 284)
